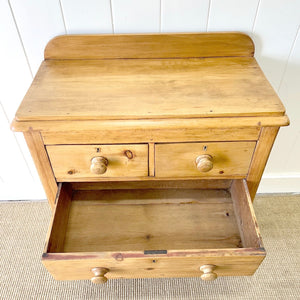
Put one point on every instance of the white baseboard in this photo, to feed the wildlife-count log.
(280, 183)
(21, 191)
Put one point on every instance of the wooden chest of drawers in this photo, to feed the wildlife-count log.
(150, 149)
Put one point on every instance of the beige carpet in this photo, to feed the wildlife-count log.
(23, 227)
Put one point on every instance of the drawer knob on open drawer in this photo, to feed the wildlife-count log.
(204, 162)
(99, 275)
(99, 165)
(208, 273)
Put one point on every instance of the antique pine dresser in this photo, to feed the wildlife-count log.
(150, 149)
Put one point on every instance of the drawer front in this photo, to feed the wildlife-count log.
(122, 265)
(83, 162)
(153, 233)
(218, 159)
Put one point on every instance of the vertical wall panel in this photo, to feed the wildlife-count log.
(16, 183)
(184, 15)
(38, 21)
(89, 16)
(274, 33)
(16, 78)
(293, 163)
(285, 156)
(14, 71)
(290, 85)
(134, 16)
(237, 15)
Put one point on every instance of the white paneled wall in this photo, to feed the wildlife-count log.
(136, 16)
(274, 33)
(91, 16)
(37, 21)
(19, 179)
(26, 27)
(229, 15)
(184, 15)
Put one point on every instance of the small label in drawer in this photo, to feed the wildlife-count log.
(155, 252)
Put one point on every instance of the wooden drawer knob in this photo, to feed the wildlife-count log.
(204, 162)
(99, 275)
(99, 165)
(208, 273)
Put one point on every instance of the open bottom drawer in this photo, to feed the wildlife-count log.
(169, 232)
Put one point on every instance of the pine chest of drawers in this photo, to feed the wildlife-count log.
(150, 149)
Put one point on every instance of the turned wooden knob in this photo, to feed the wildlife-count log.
(99, 275)
(204, 162)
(99, 165)
(208, 273)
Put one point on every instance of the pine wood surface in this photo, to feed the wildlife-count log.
(99, 179)
(73, 162)
(170, 45)
(112, 228)
(59, 222)
(145, 134)
(155, 184)
(151, 160)
(179, 160)
(154, 226)
(227, 128)
(244, 212)
(260, 158)
(229, 262)
(41, 160)
(163, 97)
(134, 89)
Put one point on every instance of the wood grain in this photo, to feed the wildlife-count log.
(151, 104)
(152, 224)
(88, 211)
(151, 160)
(149, 46)
(149, 88)
(260, 158)
(41, 160)
(145, 178)
(208, 129)
(155, 184)
(245, 214)
(179, 160)
(59, 222)
(229, 262)
(157, 196)
(184, 131)
(73, 162)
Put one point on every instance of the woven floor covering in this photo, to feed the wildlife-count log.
(23, 227)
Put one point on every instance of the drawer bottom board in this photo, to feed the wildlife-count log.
(160, 220)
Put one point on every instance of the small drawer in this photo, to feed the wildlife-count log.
(157, 232)
(88, 162)
(217, 159)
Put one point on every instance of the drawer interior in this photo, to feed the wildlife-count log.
(152, 218)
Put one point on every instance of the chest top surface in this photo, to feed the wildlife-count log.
(163, 76)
